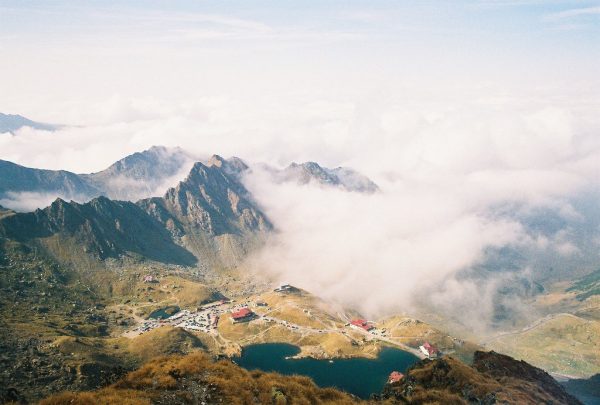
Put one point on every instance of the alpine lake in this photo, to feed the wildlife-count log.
(359, 376)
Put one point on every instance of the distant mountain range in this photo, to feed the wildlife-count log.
(208, 218)
(342, 177)
(149, 173)
(11, 123)
(131, 178)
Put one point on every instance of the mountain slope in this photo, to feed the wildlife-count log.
(587, 286)
(493, 378)
(211, 211)
(196, 379)
(17, 179)
(101, 228)
(11, 123)
(139, 175)
(209, 216)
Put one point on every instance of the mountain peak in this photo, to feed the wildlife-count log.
(216, 160)
(232, 166)
(141, 174)
(345, 178)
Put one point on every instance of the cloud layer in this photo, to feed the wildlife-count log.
(459, 174)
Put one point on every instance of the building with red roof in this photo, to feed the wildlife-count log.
(429, 350)
(395, 376)
(242, 315)
(361, 323)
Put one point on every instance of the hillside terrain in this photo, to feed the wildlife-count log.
(566, 340)
(91, 291)
(196, 379)
(492, 378)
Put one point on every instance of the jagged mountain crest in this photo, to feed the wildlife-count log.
(232, 166)
(212, 200)
(141, 174)
(147, 174)
(209, 216)
(136, 176)
(343, 177)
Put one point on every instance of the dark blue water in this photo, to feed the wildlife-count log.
(164, 313)
(359, 376)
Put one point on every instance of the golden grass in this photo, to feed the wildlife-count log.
(176, 377)
(162, 341)
(565, 344)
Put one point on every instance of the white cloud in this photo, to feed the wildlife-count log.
(444, 163)
(573, 13)
(30, 201)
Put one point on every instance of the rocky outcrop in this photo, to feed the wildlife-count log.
(212, 214)
(493, 378)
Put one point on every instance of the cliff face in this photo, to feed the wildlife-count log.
(492, 378)
(211, 214)
(209, 200)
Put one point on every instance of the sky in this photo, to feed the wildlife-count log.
(59, 52)
(454, 108)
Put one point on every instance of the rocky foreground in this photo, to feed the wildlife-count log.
(492, 378)
(197, 379)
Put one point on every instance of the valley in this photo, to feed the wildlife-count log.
(91, 291)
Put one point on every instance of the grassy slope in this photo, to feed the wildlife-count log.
(565, 344)
(197, 379)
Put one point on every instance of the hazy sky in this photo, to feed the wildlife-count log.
(287, 71)
(61, 51)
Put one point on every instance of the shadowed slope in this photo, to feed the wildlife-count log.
(101, 228)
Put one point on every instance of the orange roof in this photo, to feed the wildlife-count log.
(361, 323)
(242, 313)
(395, 376)
(431, 349)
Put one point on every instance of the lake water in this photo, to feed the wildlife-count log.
(359, 376)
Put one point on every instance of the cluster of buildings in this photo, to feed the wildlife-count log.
(427, 349)
(204, 319)
(201, 321)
